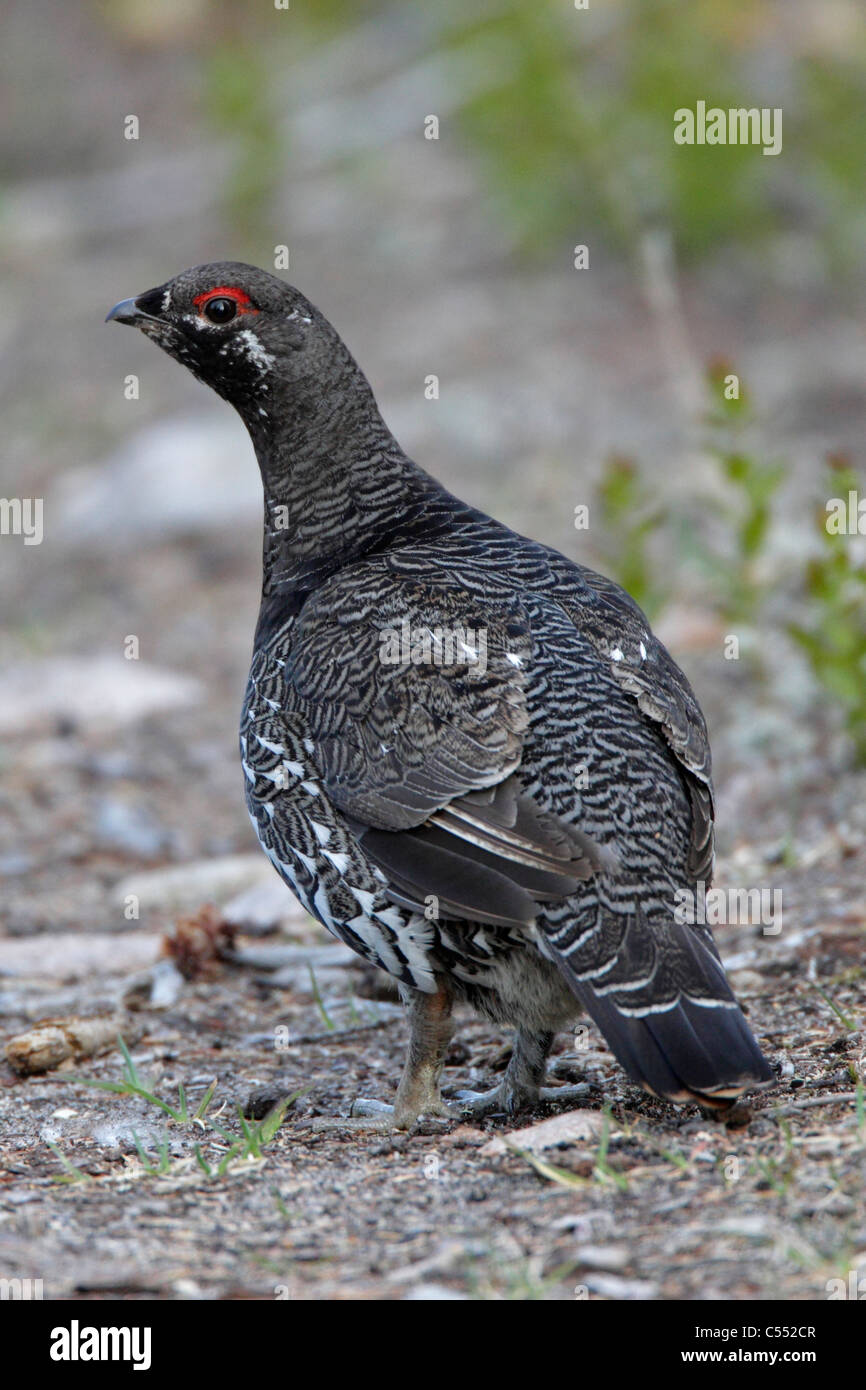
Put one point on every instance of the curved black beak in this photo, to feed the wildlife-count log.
(143, 306)
(127, 311)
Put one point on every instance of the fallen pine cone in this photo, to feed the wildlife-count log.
(199, 943)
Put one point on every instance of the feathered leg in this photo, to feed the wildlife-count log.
(418, 1092)
(431, 1030)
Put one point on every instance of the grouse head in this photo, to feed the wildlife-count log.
(332, 471)
(240, 330)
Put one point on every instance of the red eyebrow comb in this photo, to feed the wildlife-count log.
(243, 301)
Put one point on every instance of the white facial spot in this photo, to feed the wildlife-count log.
(165, 302)
(254, 351)
(514, 659)
(615, 654)
(642, 650)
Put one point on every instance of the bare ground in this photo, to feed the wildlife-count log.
(769, 1205)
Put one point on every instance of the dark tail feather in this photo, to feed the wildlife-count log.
(688, 1052)
(683, 1050)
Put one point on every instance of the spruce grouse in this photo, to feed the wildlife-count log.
(467, 755)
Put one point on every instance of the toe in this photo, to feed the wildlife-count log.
(374, 1109)
(566, 1095)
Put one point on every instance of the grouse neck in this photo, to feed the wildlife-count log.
(337, 485)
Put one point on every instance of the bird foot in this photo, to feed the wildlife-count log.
(501, 1100)
(377, 1114)
(506, 1100)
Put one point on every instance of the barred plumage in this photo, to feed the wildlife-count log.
(512, 830)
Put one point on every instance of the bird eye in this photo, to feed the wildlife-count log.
(220, 310)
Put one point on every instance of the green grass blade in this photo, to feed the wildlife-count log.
(202, 1162)
(205, 1101)
(129, 1065)
(548, 1170)
(320, 1003)
(145, 1161)
(72, 1174)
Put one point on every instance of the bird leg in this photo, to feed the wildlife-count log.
(431, 1030)
(418, 1091)
(521, 1088)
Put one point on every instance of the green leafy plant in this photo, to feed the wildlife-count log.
(568, 114)
(739, 584)
(629, 518)
(832, 633)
